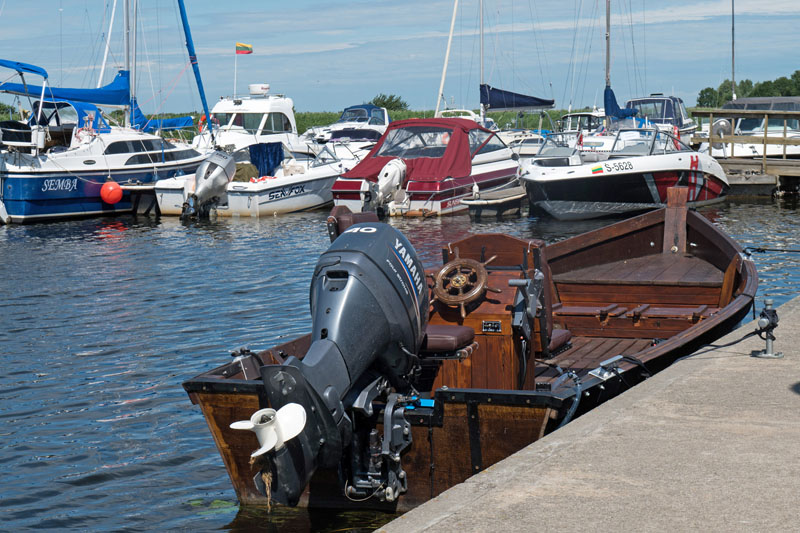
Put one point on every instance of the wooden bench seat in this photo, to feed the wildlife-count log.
(658, 269)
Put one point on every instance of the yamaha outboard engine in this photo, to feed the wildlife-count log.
(209, 186)
(369, 305)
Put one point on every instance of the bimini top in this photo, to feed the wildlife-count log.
(68, 113)
(23, 67)
(117, 93)
(432, 149)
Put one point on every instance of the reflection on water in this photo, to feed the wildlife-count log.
(103, 319)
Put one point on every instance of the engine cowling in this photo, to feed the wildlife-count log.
(369, 303)
(209, 185)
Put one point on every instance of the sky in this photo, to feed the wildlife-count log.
(328, 55)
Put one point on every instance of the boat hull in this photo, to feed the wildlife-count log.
(265, 198)
(648, 290)
(424, 198)
(567, 196)
(32, 196)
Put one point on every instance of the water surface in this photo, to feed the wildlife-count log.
(102, 319)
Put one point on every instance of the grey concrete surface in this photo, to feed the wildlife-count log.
(710, 444)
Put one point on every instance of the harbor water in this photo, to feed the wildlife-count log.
(101, 320)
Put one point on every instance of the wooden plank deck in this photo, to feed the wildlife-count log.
(586, 354)
(659, 269)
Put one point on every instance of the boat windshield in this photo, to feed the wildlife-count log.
(559, 145)
(659, 111)
(354, 115)
(415, 141)
(355, 134)
(632, 142)
(583, 122)
(325, 156)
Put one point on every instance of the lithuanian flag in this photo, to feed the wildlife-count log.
(597, 170)
(242, 48)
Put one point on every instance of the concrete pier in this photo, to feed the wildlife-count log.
(710, 444)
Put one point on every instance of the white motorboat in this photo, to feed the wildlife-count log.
(569, 184)
(362, 118)
(423, 167)
(260, 117)
(665, 112)
(291, 186)
(758, 127)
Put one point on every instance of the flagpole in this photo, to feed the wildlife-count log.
(235, 69)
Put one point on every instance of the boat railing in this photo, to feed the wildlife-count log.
(723, 135)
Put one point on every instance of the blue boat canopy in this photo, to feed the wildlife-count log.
(500, 100)
(612, 108)
(117, 93)
(83, 114)
(23, 68)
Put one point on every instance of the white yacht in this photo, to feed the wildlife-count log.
(261, 117)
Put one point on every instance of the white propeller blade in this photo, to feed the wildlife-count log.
(273, 428)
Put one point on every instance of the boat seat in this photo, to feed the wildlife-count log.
(693, 314)
(446, 338)
(600, 311)
(559, 338)
(342, 218)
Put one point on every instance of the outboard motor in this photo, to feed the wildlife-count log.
(390, 179)
(209, 185)
(369, 306)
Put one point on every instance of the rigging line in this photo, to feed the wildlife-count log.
(539, 53)
(637, 76)
(140, 21)
(570, 81)
(583, 73)
(644, 43)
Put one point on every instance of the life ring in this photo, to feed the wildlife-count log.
(445, 138)
(201, 124)
(676, 140)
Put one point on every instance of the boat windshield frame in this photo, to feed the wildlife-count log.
(560, 144)
(414, 142)
(632, 142)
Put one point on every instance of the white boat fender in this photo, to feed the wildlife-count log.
(476, 192)
(273, 428)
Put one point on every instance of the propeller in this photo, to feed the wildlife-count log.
(273, 428)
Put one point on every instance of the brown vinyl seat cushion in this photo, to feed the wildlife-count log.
(446, 338)
(343, 218)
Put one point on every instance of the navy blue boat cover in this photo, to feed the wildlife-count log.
(500, 100)
(612, 107)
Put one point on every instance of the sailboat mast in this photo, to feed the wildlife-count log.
(195, 67)
(440, 94)
(108, 45)
(133, 52)
(483, 108)
(127, 45)
(608, 43)
(733, 61)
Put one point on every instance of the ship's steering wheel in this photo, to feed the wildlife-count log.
(461, 281)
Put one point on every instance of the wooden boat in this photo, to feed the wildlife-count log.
(522, 337)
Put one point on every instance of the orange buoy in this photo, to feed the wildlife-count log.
(111, 192)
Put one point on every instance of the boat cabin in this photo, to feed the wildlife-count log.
(664, 111)
(766, 103)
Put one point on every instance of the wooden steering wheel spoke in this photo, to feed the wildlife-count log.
(460, 282)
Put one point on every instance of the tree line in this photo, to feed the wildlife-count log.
(783, 86)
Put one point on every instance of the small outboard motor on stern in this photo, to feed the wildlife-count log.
(369, 307)
(209, 186)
